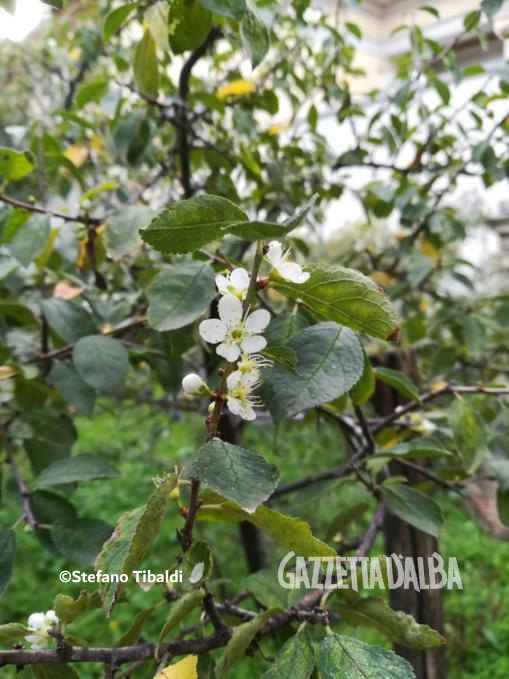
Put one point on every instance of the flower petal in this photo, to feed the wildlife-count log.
(257, 321)
(247, 411)
(222, 284)
(291, 271)
(230, 310)
(36, 620)
(51, 618)
(274, 253)
(229, 351)
(234, 405)
(239, 278)
(212, 330)
(33, 638)
(233, 380)
(253, 343)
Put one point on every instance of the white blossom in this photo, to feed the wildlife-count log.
(193, 384)
(235, 283)
(41, 624)
(240, 400)
(290, 271)
(232, 332)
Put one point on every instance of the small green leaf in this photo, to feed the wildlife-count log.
(54, 670)
(296, 659)
(68, 319)
(265, 588)
(75, 391)
(413, 507)
(69, 609)
(122, 229)
(469, 431)
(333, 293)
(420, 447)
(431, 10)
(131, 540)
(77, 468)
(188, 24)
(347, 658)
(180, 609)
(243, 635)
(255, 36)
(180, 294)
(12, 632)
(116, 18)
(7, 556)
(235, 473)
(146, 74)
(15, 165)
(31, 239)
(80, 540)
(351, 513)
(491, 7)
(233, 9)
(364, 388)
(399, 381)
(133, 633)
(197, 563)
(90, 91)
(102, 362)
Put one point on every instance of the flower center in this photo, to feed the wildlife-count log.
(236, 334)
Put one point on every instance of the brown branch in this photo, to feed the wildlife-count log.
(372, 531)
(24, 491)
(186, 534)
(39, 209)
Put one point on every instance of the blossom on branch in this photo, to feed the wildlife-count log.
(235, 283)
(194, 385)
(290, 271)
(41, 624)
(240, 400)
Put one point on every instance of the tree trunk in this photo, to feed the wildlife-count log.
(400, 538)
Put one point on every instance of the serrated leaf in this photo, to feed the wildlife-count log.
(180, 609)
(7, 556)
(80, 539)
(255, 36)
(102, 362)
(12, 632)
(145, 71)
(180, 294)
(116, 18)
(15, 165)
(234, 9)
(413, 507)
(77, 468)
(343, 657)
(235, 473)
(296, 659)
(182, 669)
(420, 447)
(123, 226)
(131, 539)
(399, 381)
(398, 626)
(242, 636)
(69, 609)
(334, 293)
(329, 363)
(188, 24)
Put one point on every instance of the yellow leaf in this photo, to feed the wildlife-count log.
(106, 328)
(113, 624)
(237, 88)
(424, 304)
(75, 53)
(382, 278)
(402, 233)
(65, 290)
(76, 154)
(429, 250)
(276, 129)
(82, 252)
(184, 669)
(7, 371)
(96, 143)
(439, 384)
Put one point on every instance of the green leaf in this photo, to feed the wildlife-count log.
(431, 10)
(292, 533)
(188, 24)
(133, 633)
(468, 430)
(180, 294)
(31, 239)
(180, 609)
(283, 327)
(233, 9)
(399, 381)
(78, 394)
(80, 540)
(340, 522)
(197, 563)
(413, 507)
(284, 357)
(7, 556)
(102, 362)
(364, 388)
(242, 637)
(398, 626)
(57, 4)
(347, 658)
(296, 659)
(69, 609)
(15, 165)
(91, 91)
(122, 229)
(12, 632)
(255, 36)
(54, 670)
(131, 540)
(77, 468)
(8, 5)
(265, 588)
(145, 72)
(49, 437)
(235, 473)
(491, 7)
(333, 293)
(420, 447)
(68, 319)
(116, 18)
(329, 363)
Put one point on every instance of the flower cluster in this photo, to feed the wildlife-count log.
(238, 334)
(42, 625)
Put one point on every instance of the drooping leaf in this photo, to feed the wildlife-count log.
(242, 636)
(136, 627)
(180, 294)
(145, 70)
(69, 609)
(255, 36)
(329, 363)
(420, 447)
(80, 540)
(180, 609)
(189, 23)
(15, 165)
(102, 362)
(234, 9)
(77, 468)
(333, 293)
(347, 658)
(68, 319)
(235, 473)
(123, 226)
(131, 539)
(116, 18)
(365, 386)
(414, 507)
(7, 556)
(296, 659)
(399, 381)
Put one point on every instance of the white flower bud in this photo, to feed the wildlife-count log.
(193, 384)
